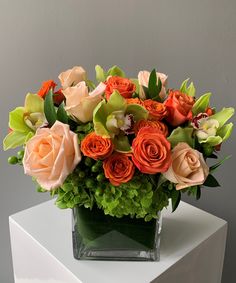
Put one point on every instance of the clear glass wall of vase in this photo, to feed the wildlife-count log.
(102, 237)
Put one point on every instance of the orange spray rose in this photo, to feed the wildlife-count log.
(58, 96)
(125, 86)
(135, 101)
(118, 168)
(96, 147)
(157, 110)
(153, 124)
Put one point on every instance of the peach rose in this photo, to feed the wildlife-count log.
(153, 124)
(118, 168)
(80, 103)
(179, 106)
(157, 110)
(151, 151)
(72, 77)
(125, 86)
(96, 147)
(188, 167)
(51, 155)
(143, 79)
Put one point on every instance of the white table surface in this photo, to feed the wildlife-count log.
(186, 230)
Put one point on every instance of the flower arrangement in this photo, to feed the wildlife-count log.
(127, 146)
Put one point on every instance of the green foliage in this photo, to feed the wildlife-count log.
(12, 160)
(137, 198)
(140, 197)
(194, 191)
(49, 108)
(215, 166)
(154, 87)
(175, 199)
(211, 181)
(61, 114)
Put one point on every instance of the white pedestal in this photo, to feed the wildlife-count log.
(192, 250)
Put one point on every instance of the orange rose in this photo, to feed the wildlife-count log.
(157, 110)
(118, 168)
(135, 101)
(58, 96)
(179, 106)
(96, 147)
(153, 124)
(151, 151)
(125, 86)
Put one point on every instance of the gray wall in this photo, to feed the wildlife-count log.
(39, 39)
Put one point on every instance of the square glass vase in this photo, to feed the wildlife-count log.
(102, 237)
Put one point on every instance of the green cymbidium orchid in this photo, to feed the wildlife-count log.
(113, 119)
(23, 121)
(212, 130)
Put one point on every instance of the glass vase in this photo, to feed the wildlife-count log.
(102, 237)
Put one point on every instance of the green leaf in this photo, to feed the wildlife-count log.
(115, 71)
(49, 108)
(161, 181)
(195, 191)
(100, 74)
(159, 87)
(61, 114)
(152, 84)
(211, 181)
(201, 104)
(139, 112)
(175, 199)
(223, 116)
(16, 120)
(198, 193)
(215, 166)
(181, 135)
(225, 131)
(121, 144)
